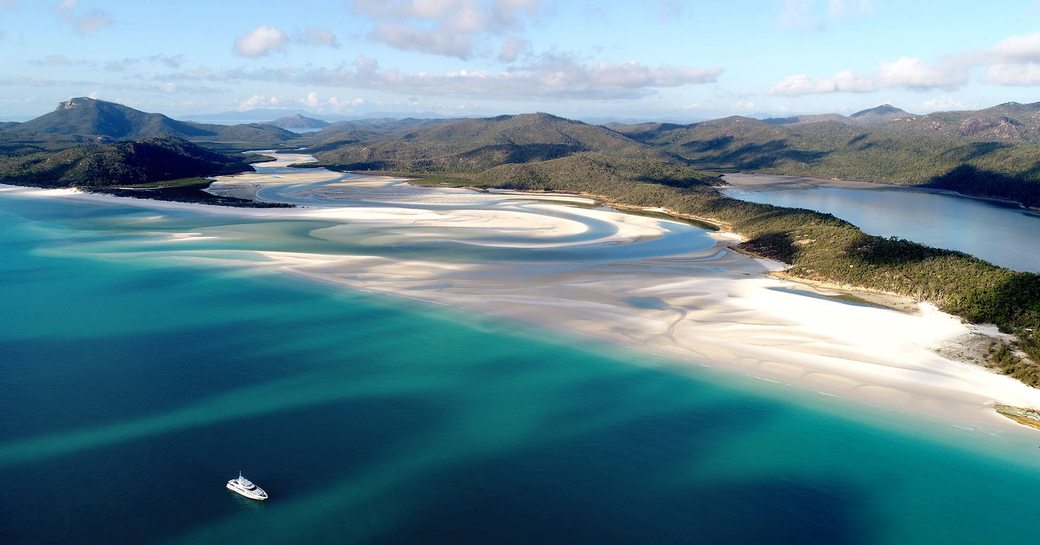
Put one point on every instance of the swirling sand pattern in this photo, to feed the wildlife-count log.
(559, 261)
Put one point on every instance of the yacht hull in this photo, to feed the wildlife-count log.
(256, 494)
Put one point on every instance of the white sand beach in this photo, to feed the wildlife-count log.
(705, 306)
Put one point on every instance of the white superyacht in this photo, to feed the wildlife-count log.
(246, 488)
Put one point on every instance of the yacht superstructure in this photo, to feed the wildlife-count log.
(246, 488)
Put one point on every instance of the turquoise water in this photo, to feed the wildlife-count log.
(1003, 235)
(134, 383)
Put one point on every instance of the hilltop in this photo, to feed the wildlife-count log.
(656, 165)
(879, 115)
(988, 153)
(84, 116)
(648, 165)
(299, 121)
(473, 145)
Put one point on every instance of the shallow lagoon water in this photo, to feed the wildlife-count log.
(1001, 234)
(135, 381)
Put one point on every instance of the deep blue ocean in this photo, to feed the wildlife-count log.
(134, 384)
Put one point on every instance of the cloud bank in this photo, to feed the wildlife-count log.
(1014, 61)
(264, 40)
(551, 76)
(451, 28)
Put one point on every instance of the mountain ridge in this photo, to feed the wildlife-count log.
(84, 116)
(299, 121)
(470, 145)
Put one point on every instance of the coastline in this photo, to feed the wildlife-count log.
(784, 181)
(712, 307)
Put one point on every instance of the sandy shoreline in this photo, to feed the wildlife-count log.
(709, 306)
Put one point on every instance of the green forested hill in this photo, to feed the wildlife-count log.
(818, 246)
(473, 145)
(87, 117)
(123, 163)
(906, 151)
(299, 122)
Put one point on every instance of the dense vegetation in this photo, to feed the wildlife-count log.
(120, 163)
(110, 121)
(472, 145)
(652, 165)
(96, 144)
(299, 122)
(991, 153)
(817, 246)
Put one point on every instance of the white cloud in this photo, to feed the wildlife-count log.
(436, 41)
(914, 73)
(339, 105)
(168, 61)
(258, 101)
(1014, 61)
(318, 37)
(444, 27)
(91, 21)
(548, 76)
(513, 48)
(817, 14)
(119, 65)
(52, 60)
(260, 41)
(1024, 75)
(945, 104)
(906, 72)
(311, 102)
(744, 105)
(842, 82)
(1022, 48)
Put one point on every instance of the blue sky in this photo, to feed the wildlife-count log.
(640, 59)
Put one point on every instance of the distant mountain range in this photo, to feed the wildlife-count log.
(866, 118)
(471, 145)
(992, 152)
